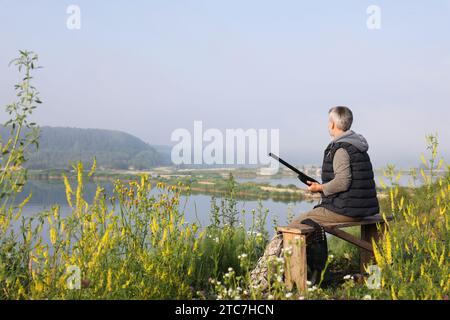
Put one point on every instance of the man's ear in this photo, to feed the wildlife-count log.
(332, 125)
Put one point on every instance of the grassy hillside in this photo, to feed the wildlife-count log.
(113, 149)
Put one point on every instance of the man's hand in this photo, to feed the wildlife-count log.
(314, 186)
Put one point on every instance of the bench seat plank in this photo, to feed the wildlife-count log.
(305, 229)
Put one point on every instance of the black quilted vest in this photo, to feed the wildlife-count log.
(360, 200)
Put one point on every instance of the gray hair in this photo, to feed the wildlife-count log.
(342, 117)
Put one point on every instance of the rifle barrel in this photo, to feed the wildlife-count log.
(303, 177)
(285, 163)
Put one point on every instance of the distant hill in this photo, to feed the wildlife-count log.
(58, 146)
(164, 151)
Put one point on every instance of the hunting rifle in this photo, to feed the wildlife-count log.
(303, 177)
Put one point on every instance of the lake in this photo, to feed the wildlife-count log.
(47, 193)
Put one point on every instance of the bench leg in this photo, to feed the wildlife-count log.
(368, 232)
(295, 268)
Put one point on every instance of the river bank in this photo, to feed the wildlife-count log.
(213, 183)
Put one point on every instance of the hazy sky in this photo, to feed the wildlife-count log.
(150, 67)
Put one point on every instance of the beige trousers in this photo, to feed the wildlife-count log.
(321, 215)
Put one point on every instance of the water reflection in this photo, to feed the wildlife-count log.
(46, 193)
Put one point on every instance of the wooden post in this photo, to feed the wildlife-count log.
(368, 232)
(295, 267)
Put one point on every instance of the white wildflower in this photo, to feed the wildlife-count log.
(287, 251)
(313, 288)
(243, 256)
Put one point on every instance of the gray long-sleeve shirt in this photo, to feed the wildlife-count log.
(342, 173)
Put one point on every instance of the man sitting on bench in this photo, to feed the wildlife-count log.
(348, 187)
(348, 195)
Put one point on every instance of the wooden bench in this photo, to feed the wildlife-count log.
(296, 267)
